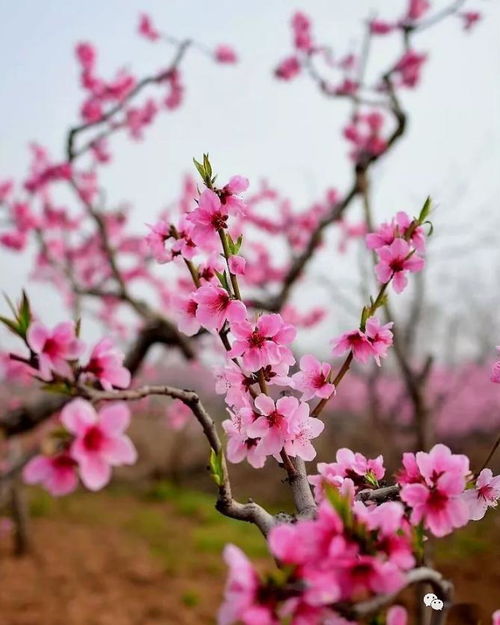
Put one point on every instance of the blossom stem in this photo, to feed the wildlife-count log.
(194, 272)
(490, 456)
(227, 255)
(342, 371)
(347, 362)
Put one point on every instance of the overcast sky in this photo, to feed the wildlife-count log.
(250, 123)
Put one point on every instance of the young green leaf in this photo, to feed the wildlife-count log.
(424, 213)
(216, 467)
(12, 325)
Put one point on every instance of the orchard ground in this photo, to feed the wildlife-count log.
(152, 555)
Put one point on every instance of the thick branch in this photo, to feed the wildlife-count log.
(301, 491)
(379, 495)
(29, 416)
(297, 266)
(250, 512)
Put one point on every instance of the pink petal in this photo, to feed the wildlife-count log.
(264, 403)
(95, 472)
(37, 335)
(37, 470)
(119, 451)
(78, 415)
(115, 418)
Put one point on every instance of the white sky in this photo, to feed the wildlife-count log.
(252, 124)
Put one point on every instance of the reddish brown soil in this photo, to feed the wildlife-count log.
(96, 575)
(88, 567)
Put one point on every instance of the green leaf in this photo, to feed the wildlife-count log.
(78, 327)
(223, 280)
(24, 316)
(200, 168)
(216, 467)
(207, 166)
(365, 313)
(237, 245)
(425, 212)
(12, 325)
(371, 479)
(230, 244)
(61, 388)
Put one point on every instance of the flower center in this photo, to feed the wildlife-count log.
(95, 367)
(93, 439)
(219, 221)
(63, 461)
(51, 347)
(192, 307)
(275, 418)
(437, 500)
(485, 492)
(222, 301)
(318, 380)
(397, 264)
(256, 339)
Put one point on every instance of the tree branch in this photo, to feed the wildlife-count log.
(250, 512)
(29, 416)
(72, 152)
(443, 589)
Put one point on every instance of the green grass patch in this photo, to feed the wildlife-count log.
(190, 598)
(41, 504)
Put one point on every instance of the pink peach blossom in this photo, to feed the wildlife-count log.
(380, 337)
(106, 365)
(185, 308)
(398, 227)
(380, 27)
(241, 603)
(313, 378)
(160, 232)
(264, 343)
(302, 428)
(273, 426)
(395, 260)
(288, 68)
(417, 9)
(54, 348)
(56, 473)
(241, 444)
(437, 500)
(409, 68)
(355, 341)
(484, 495)
(225, 54)
(209, 218)
(147, 29)
(215, 307)
(100, 442)
(470, 19)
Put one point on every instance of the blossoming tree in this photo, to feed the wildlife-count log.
(356, 536)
